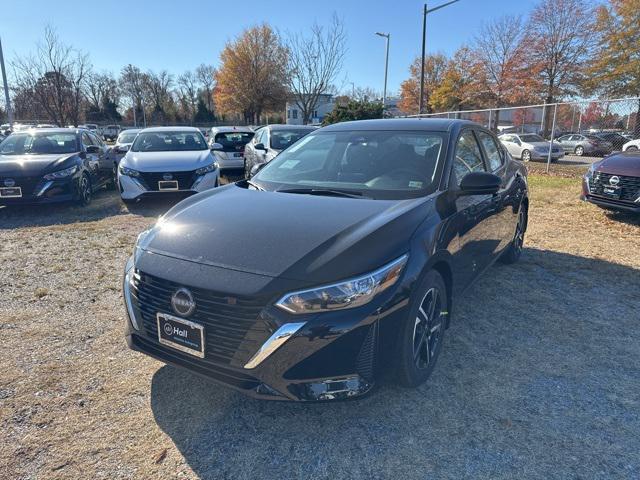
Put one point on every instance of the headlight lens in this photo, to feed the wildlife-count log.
(67, 172)
(348, 294)
(129, 172)
(207, 169)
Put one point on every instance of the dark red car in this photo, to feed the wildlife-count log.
(614, 182)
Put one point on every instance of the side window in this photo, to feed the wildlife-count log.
(468, 157)
(97, 140)
(264, 134)
(494, 154)
(86, 140)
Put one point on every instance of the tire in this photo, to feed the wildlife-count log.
(85, 191)
(514, 250)
(631, 148)
(525, 156)
(113, 184)
(579, 150)
(247, 171)
(422, 332)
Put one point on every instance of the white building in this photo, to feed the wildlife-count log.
(294, 113)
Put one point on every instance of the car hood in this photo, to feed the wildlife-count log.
(310, 238)
(621, 164)
(167, 161)
(31, 165)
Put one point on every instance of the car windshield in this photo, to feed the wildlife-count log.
(39, 144)
(281, 139)
(233, 141)
(168, 141)
(531, 137)
(127, 137)
(376, 164)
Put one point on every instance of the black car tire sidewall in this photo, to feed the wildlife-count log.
(407, 373)
(512, 253)
(82, 201)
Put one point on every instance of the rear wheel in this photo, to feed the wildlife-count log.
(514, 250)
(631, 148)
(579, 150)
(525, 156)
(422, 332)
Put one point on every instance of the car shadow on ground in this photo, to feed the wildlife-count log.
(538, 378)
(624, 217)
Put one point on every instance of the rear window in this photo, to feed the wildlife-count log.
(233, 141)
(281, 139)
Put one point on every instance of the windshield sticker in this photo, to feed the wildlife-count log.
(415, 184)
(289, 164)
(302, 142)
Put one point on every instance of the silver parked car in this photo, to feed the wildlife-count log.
(167, 160)
(530, 146)
(584, 144)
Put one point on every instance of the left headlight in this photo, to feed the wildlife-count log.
(348, 294)
(67, 172)
(209, 168)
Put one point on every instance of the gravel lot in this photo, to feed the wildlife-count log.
(539, 376)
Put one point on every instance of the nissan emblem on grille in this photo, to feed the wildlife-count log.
(615, 180)
(167, 177)
(182, 302)
(9, 182)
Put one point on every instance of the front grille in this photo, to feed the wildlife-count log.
(234, 331)
(630, 185)
(29, 185)
(151, 179)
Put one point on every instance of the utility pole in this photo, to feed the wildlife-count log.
(387, 36)
(425, 12)
(7, 100)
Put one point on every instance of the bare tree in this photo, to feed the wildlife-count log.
(55, 76)
(314, 62)
(206, 77)
(499, 52)
(132, 82)
(559, 40)
(188, 85)
(101, 88)
(158, 89)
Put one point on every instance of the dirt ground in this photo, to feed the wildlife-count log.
(539, 376)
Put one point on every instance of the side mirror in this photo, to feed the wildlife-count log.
(260, 146)
(93, 149)
(256, 168)
(480, 183)
(216, 147)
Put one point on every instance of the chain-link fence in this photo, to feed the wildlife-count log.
(589, 128)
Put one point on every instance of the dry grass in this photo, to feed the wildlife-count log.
(537, 382)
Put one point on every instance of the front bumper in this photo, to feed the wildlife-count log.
(45, 192)
(131, 188)
(612, 204)
(334, 355)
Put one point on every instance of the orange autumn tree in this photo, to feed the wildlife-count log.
(434, 68)
(252, 76)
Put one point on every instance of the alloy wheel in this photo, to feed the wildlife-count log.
(85, 190)
(526, 156)
(579, 150)
(518, 239)
(427, 330)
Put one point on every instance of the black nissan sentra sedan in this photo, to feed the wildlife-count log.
(52, 165)
(344, 256)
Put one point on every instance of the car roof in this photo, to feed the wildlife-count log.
(53, 130)
(281, 126)
(231, 129)
(170, 129)
(426, 124)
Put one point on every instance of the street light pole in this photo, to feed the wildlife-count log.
(7, 100)
(387, 36)
(425, 12)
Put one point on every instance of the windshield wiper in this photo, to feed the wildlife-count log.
(254, 185)
(324, 191)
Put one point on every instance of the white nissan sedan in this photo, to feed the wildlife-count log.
(165, 160)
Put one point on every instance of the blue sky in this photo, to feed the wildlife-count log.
(177, 36)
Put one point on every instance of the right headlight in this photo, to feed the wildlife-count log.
(347, 294)
(129, 172)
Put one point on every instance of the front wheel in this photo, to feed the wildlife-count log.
(579, 151)
(514, 250)
(525, 156)
(85, 192)
(422, 332)
(631, 148)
